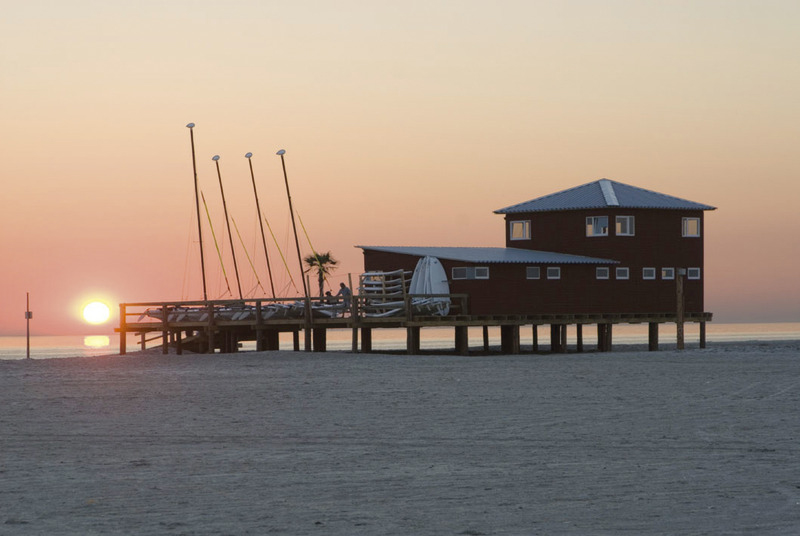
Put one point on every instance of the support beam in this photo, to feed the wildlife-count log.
(296, 340)
(485, 338)
(366, 339)
(462, 340)
(320, 338)
(412, 340)
(509, 339)
(271, 339)
(579, 337)
(604, 337)
(702, 334)
(535, 335)
(563, 346)
(652, 336)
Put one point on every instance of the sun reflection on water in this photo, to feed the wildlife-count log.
(96, 341)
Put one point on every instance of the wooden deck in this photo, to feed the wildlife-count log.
(208, 326)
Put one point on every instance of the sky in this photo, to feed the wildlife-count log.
(404, 123)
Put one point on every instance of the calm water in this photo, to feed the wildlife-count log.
(44, 347)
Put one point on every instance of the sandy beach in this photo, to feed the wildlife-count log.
(692, 442)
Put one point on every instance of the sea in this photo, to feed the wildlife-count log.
(62, 346)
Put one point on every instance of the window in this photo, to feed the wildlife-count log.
(668, 273)
(520, 230)
(553, 272)
(471, 272)
(625, 226)
(533, 272)
(691, 226)
(693, 273)
(601, 272)
(648, 273)
(597, 226)
(623, 273)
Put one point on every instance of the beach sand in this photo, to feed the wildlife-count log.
(692, 442)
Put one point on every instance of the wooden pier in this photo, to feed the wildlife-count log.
(220, 325)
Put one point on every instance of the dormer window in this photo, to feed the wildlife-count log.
(597, 226)
(520, 230)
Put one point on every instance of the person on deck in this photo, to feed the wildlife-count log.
(345, 293)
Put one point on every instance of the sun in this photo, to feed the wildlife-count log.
(96, 312)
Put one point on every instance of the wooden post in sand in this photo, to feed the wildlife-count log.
(123, 346)
(702, 334)
(28, 317)
(652, 336)
(680, 305)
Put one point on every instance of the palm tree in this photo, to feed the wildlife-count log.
(323, 263)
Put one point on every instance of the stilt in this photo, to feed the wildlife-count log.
(178, 343)
(233, 341)
(555, 338)
(412, 340)
(123, 330)
(535, 330)
(563, 346)
(486, 338)
(271, 339)
(652, 336)
(604, 337)
(164, 334)
(355, 340)
(366, 339)
(509, 339)
(702, 334)
(579, 337)
(296, 340)
(462, 340)
(320, 336)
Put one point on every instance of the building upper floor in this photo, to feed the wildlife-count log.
(609, 219)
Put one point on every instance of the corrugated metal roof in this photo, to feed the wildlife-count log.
(602, 194)
(491, 255)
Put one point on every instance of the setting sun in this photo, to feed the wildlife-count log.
(96, 312)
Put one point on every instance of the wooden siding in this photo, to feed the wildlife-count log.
(507, 291)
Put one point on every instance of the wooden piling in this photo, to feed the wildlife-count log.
(652, 336)
(462, 340)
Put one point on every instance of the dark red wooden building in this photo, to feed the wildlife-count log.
(603, 247)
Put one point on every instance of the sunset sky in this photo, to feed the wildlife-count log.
(404, 123)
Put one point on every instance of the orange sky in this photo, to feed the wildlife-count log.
(405, 123)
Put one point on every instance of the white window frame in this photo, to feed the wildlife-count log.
(685, 227)
(668, 273)
(530, 270)
(649, 273)
(553, 272)
(631, 225)
(526, 229)
(459, 273)
(622, 272)
(693, 273)
(591, 225)
(602, 272)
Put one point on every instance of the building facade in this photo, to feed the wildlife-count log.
(603, 247)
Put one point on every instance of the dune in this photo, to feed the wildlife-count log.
(690, 442)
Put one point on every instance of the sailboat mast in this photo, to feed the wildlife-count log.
(260, 222)
(228, 226)
(190, 126)
(307, 330)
